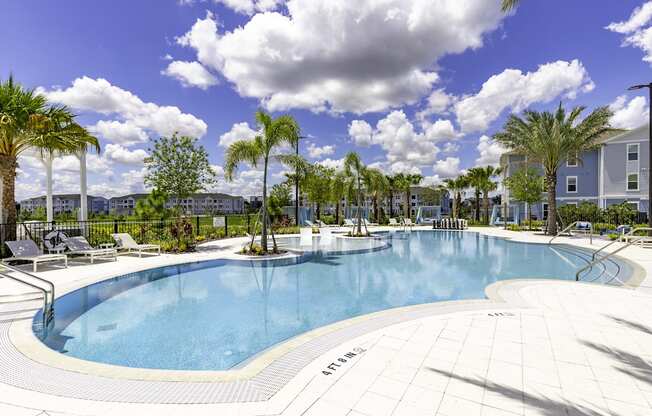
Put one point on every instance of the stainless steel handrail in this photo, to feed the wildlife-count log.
(571, 226)
(601, 259)
(631, 233)
(48, 311)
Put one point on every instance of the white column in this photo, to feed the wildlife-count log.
(83, 199)
(49, 209)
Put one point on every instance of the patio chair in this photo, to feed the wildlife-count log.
(27, 250)
(125, 243)
(393, 222)
(80, 246)
(310, 224)
(408, 222)
(348, 222)
(321, 223)
(366, 222)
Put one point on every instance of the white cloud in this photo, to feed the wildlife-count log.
(639, 36)
(99, 96)
(490, 151)
(439, 102)
(432, 180)
(514, 90)
(121, 154)
(239, 131)
(406, 149)
(190, 74)
(360, 131)
(126, 133)
(251, 6)
(440, 130)
(341, 55)
(317, 152)
(245, 183)
(629, 115)
(451, 147)
(336, 164)
(447, 168)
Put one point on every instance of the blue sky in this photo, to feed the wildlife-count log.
(412, 85)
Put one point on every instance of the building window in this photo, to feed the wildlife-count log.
(571, 184)
(572, 161)
(632, 182)
(634, 205)
(545, 210)
(572, 203)
(632, 152)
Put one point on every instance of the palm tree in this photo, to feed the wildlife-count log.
(56, 133)
(508, 5)
(376, 184)
(18, 108)
(404, 182)
(338, 191)
(318, 186)
(355, 172)
(456, 186)
(552, 138)
(488, 185)
(476, 177)
(275, 132)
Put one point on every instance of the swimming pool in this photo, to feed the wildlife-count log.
(215, 315)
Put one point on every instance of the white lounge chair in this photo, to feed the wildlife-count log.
(27, 250)
(80, 246)
(126, 243)
(393, 222)
(348, 222)
(408, 222)
(310, 224)
(306, 237)
(366, 222)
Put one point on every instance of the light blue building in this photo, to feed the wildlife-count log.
(617, 171)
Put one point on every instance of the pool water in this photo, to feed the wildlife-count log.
(214, 315)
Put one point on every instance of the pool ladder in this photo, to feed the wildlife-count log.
(34, 282)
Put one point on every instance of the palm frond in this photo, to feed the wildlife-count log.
(242, 151)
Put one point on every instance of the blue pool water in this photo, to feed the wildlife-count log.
(215, 315)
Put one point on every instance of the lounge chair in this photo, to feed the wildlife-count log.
(583, 227)
(408, 222)
(393, 222)
(310, 224)
(80, 246)
(27, 250)
(321, 223)
(126, 243)
(366, 223)
(348, 222)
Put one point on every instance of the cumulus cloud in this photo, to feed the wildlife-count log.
(339, 55)
(637, 29)
(251, 6)
(451, 147)
(124, 133)
(336, 164)
(438, 102)
(490, 151)
(317, 152)
(406, 148)
(512, 89)
(190, 74)
(245, 182)
(440, 130)
(239, 131)
(447, 168)
(360, 132)
(98, 95)
(629, 115)
(121, 154)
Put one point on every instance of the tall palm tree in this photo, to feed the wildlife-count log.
(405, 181)
(275, 132)
(456, 186)
(487, 186)
(551, 138)
(476, 177)
(376, 184)
(355, 172)
(338, 192)
(392, 181)
(18, 108)
(56, 133)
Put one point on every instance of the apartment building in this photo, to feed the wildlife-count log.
(197, 204)
(66, 203)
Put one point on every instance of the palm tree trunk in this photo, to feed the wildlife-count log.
(551, 188)
(477, 204)
(263, 235)
(318, 211)
(375, 202)
(358, 197)
(391, 202)
(337, 213)
(529, 217)
(49, 208)
(407, 203)
(454, 204)
(486, 207)
(8, 166)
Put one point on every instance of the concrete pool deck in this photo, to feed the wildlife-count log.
(532, 348)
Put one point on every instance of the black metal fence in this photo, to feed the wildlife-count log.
(99, 231)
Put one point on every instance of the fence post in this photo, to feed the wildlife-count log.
(197, 222)
(248, 224)
(226, 226)
(115, 226)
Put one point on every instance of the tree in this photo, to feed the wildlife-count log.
(404, 182)
(551, 139)
(376, 184)
(178, 167)
(355, 172)
(488, 185)
(18, 108)
(318, 186)
(456, 186)
(152, 206)
(338, 191)
(526, 185)
(280, 196)
(275, 132)
(392, 181)
(477, 179)
(508, 5)
(433, 195)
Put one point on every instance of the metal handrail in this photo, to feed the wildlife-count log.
(48, 311)
(631, 233)
(571, 226)
(601, 259)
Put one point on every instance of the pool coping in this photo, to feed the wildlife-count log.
(24, 340)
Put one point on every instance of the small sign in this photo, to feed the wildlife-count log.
(501, 314)
(345, 358)
(219, 222)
